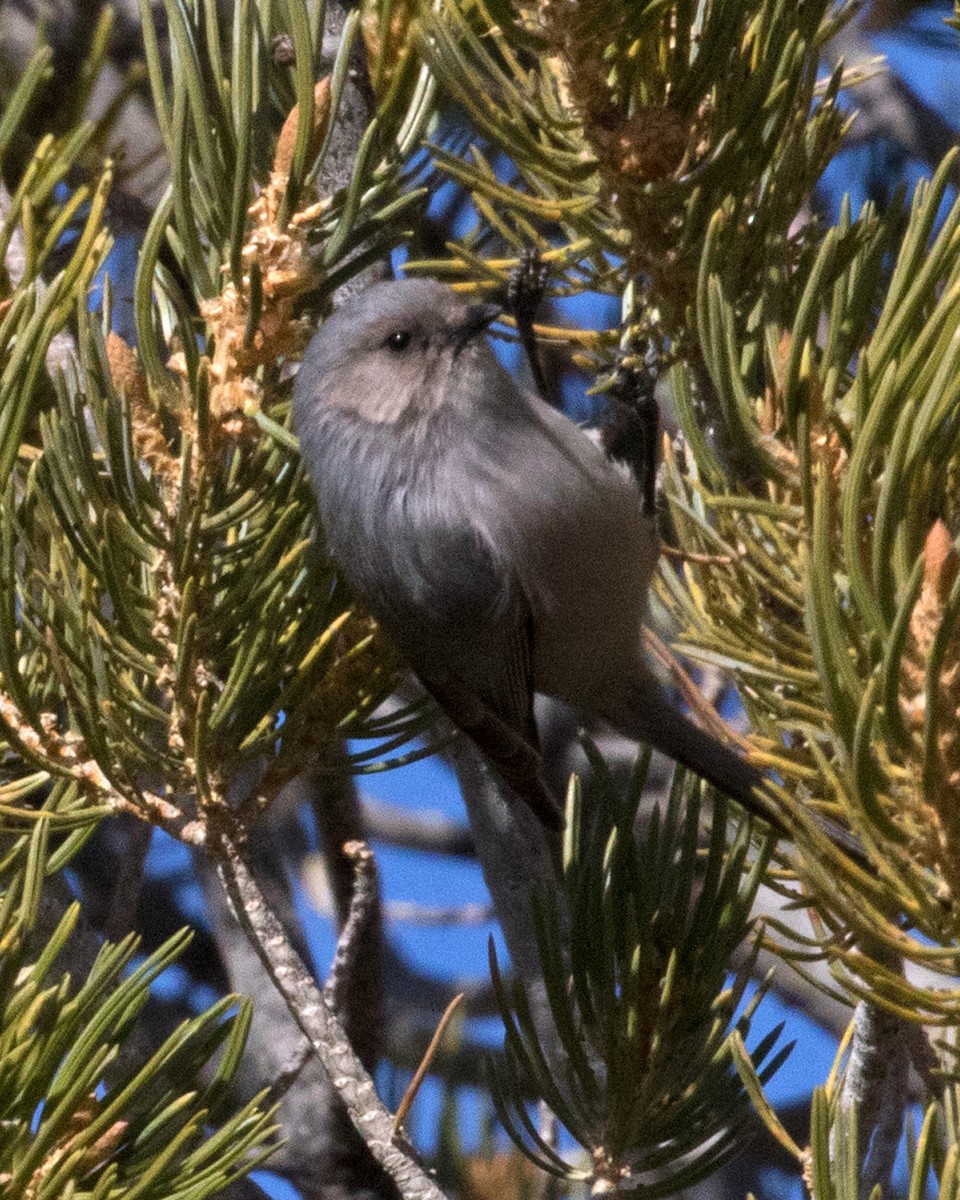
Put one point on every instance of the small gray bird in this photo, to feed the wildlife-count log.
(494, 542)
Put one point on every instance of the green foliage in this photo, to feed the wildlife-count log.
(833, 1161)
(220, 123)
(161, 606)
(80, 1116)
(825, 361)
(842, 627)
(813, 373)
(632, 134)
(164, 626)
(172, 644)
(642, 1074)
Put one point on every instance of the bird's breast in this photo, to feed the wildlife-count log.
(568, 526)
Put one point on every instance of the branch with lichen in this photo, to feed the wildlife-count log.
(312, 1011)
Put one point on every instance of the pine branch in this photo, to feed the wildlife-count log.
(320, 1026)
(109, 1121)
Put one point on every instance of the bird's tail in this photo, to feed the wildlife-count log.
(647, 716)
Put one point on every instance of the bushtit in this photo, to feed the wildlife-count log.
(495, 543)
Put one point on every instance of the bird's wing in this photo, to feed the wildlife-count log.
(509, 691)
(468, 634)
(515, 757)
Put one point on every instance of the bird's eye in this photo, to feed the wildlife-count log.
(398, 341)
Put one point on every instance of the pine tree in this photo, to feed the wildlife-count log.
(176, 650)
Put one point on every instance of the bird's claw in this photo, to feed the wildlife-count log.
(632, 430)
(526, 286)
(525, 289)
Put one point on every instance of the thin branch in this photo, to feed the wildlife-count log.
(397, 825)
(403, 1108)
(362, 920)
(411, 913)
(357, 107)
(322, 1155)
(886, 106)
(357, 975)
(519, 857)
(874, 1081)
(313, 1015)
(128, 883)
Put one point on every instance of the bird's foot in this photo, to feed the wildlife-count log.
(525, 290)
(632, 430)
(526, 286)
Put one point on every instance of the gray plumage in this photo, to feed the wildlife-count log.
(496, 544)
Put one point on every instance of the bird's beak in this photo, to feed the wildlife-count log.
(478, 317)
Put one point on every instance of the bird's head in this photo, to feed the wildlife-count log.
(398, 350)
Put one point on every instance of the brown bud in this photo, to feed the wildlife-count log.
(125, 370)
(148, 437)
(941, 562)
(648, 145)
(283, 158)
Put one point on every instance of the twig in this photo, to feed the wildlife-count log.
(411, 912)
(125, 896)
(356, 109)
(357, 973)
(319, 1024)
(323, 1156)
(363, 919)
(421, 1072)
(874, 1081)
(518, 857)
(705, 713)
(428, 831)
(692, 556)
